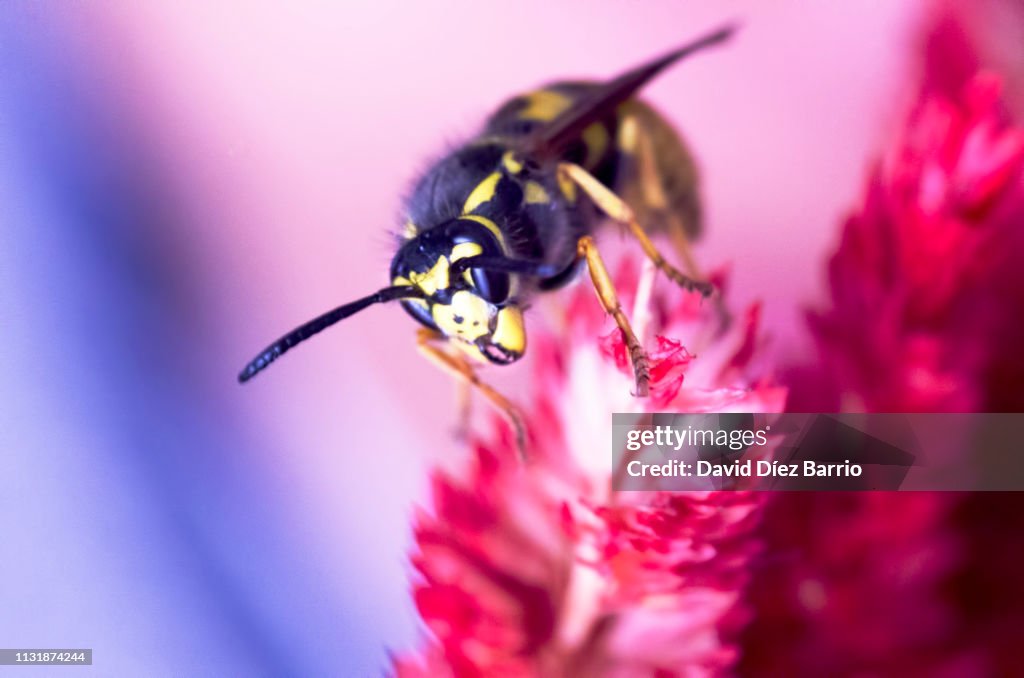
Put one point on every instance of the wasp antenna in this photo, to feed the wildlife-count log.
(307, 330)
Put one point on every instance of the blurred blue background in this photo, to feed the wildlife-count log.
(143, 512)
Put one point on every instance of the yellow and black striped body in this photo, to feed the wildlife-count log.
(535, 214)
(603, 150)
(511, 213)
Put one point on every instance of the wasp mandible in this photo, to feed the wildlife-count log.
(512, 213)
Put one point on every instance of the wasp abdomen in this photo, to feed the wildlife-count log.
(606, 152)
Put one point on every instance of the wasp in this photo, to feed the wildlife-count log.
(513, 213)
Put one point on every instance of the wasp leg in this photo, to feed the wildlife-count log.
(617, 209)
(636, 142)
(586, 249)
(458, 366)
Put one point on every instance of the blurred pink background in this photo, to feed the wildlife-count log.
(295, 134)
(284, 139)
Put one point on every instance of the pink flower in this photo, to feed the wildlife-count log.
(855, 584)
(540, 569)
(913, 280)
(925, 289)
(494, 560)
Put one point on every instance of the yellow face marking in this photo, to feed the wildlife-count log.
(544, 105)
(483, 192)
(596, 139)
(510, 332)
(409, 230)
(433, 280)
(463, 250)
(511, 163)
(437, 277)
(488, 224)
(466, 318)
(535, 194)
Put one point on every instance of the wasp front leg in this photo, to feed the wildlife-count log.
(586, 249)
(617, 209)
(435, 347)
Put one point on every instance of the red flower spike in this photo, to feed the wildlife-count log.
(537, 569)
(921, 256)
(924, 296)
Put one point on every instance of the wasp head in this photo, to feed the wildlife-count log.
(471, 305)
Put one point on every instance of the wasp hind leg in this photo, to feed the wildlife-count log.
(636, 144)
(586, 249)
(617, 209)
(433, 346)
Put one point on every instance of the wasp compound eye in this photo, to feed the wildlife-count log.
(491, 285)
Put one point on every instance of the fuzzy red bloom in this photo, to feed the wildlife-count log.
(856, 584)
(543, 570)
(923, 284)
(909, 327)
(668, 363)
(494, 560)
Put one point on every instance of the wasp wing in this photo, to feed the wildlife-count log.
(552, 139)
